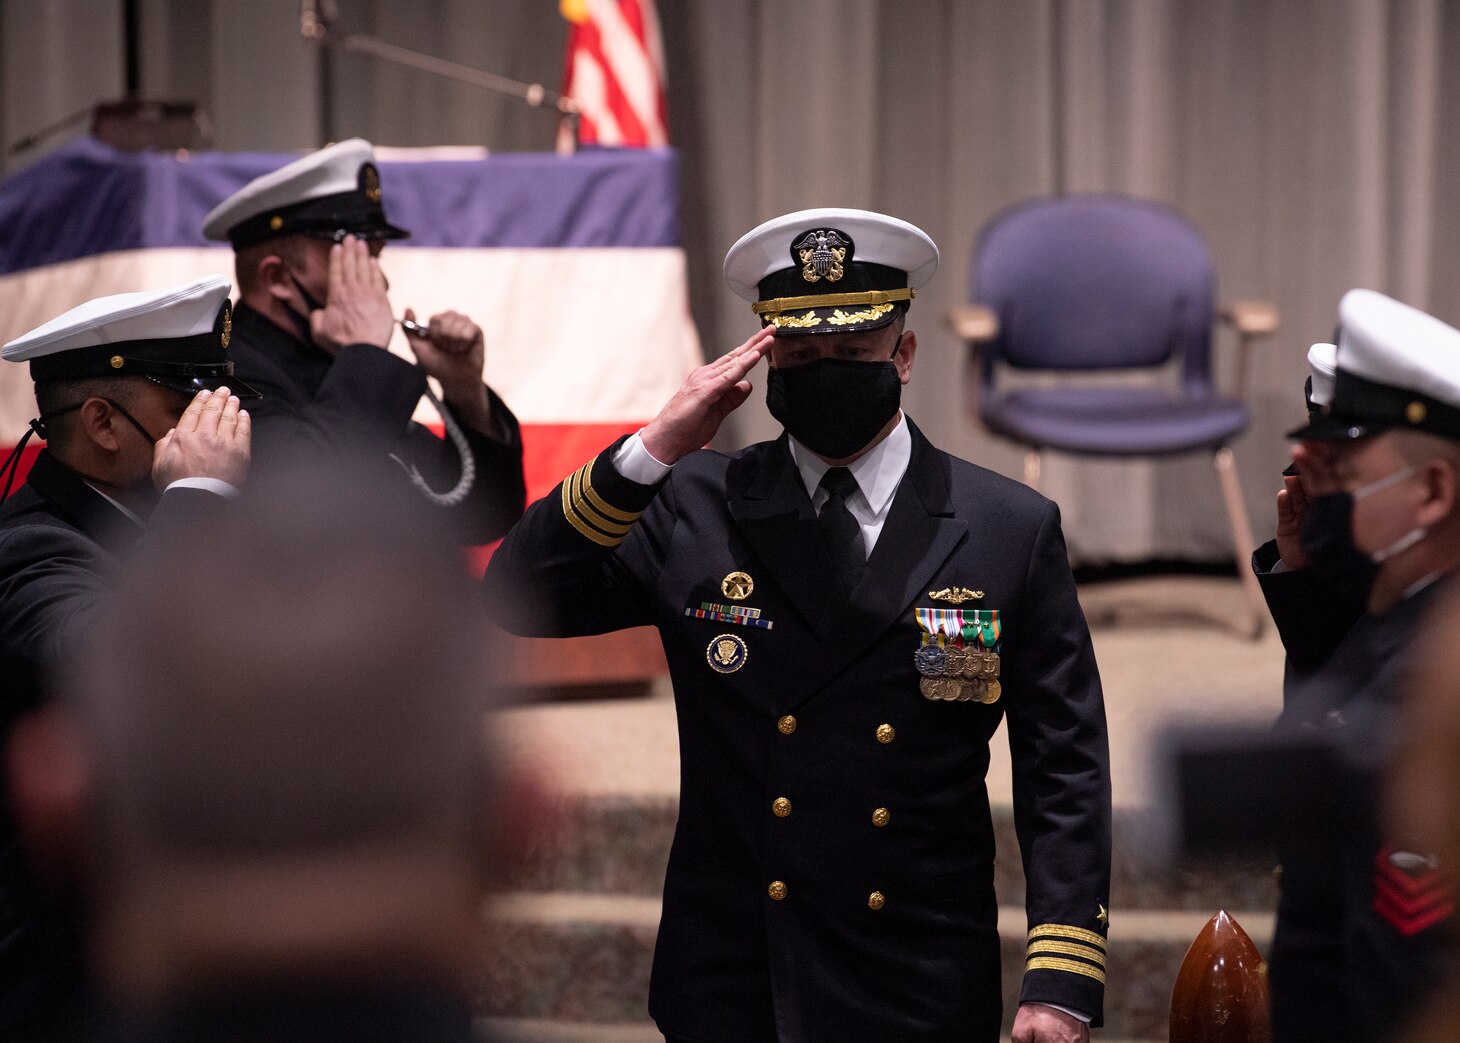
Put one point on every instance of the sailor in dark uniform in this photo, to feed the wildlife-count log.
(1362, 921)
(848, 614)
(286, 842)
(311, 330)
(143, 435)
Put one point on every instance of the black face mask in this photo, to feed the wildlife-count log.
(834, 407)
(1328, 543)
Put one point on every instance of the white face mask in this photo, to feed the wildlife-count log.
(1410, 538)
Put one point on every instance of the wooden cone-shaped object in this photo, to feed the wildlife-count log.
(1221, 993)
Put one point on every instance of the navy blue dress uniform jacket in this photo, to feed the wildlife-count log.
(59, 538)
(820, 923)
(360, 401)
(1363, 929)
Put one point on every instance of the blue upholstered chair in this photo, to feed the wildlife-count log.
(1094, 283)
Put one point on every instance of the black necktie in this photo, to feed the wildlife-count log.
(843, 533)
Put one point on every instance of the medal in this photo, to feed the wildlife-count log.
(991, 696)
(931, 661)
(737, 586)
(940, 689)
(989, 668)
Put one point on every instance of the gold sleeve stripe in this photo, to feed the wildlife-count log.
(587, 512)
(577, 523)
(1059, 930)
(1049, 963)
(1068, 949)
(597, 501)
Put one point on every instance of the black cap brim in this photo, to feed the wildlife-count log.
(192, 385)
(1326, 427)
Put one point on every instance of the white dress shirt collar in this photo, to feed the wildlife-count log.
(877, 471)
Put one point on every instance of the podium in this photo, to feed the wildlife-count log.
(572, 266)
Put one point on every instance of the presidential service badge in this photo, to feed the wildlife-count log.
(726, 654)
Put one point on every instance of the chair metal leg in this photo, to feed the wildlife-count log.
(1242, 541)
(1033, 462)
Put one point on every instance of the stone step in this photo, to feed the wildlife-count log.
(585, 958)
(541, 1030)
(619, 845)
(533, 1030)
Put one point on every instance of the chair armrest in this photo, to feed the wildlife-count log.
(974, 323)
(1251, 318)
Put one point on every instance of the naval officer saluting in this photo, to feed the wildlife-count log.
(144, 437)
(1365, 923)
(311, 329)
(848, 613)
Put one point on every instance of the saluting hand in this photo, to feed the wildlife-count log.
(211, 440)
(454, 351)
(1036, 1023)
(1314, 464)
(709, 395)
(357, 309)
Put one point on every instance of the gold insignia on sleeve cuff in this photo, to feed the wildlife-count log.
(1059, 947)
(587, 511)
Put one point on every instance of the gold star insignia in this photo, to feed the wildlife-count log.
(1101, 915)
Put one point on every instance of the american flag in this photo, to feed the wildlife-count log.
(615, 72)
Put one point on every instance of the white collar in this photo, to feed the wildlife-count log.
(119, 506)
(878, 471)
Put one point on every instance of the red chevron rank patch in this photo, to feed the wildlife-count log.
(1411, 891)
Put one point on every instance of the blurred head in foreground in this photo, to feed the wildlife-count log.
(281, 733)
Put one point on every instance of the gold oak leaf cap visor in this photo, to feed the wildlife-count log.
(831, 270)
(176, 337)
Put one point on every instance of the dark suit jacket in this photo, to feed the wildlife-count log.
(59, 539)
(360, 400)
(1347, 963)
(1312, 610)
(733, 963)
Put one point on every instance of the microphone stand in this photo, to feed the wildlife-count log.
(317, 24)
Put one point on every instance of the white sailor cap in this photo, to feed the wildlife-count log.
(1396, 368)
(330, 194)
(830, 270)
(1321, 363)
(175, 337)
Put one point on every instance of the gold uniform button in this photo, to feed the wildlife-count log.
(885, 733)
(876, 901)
(786, 724)
(881, 817)
(777, 890)
(781, 806)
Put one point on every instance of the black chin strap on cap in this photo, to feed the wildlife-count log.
(130, 419)
(301, 322)
(11, 466)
